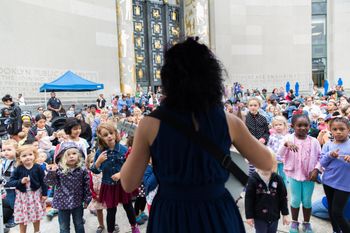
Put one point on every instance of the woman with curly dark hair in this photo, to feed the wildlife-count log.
(191, 195)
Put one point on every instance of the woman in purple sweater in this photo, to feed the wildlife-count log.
(336, 180)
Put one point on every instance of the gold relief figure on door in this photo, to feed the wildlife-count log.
(174, 15)
(157, 44)
(158, 59)
(175, 31)
(156, 13)
(140, 73)
(138, 42)
(157, 74)
(138, 26)
(139, 58)
(137, 10)
(156, 28)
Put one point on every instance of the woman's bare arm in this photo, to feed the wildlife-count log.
(133, 169)
(247, 145)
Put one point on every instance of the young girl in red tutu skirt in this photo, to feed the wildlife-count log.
(109, 159)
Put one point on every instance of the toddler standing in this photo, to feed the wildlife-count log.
(72, 193)
(265, 200)
(279, 124)
(301, 154)
(31, 191)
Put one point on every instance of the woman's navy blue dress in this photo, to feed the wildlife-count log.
(191, 196)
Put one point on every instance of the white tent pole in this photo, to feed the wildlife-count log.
(45, 100)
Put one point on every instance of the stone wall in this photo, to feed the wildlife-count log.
(40, 40)
(263, 43)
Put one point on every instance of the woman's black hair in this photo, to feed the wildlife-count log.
(298, 116)
(93, 106)
(79, 112)
(71, 122)
(339, 119)
(6, 98)
(191, 77)
(39, 117)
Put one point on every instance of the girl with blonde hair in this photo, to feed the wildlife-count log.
(31, 191)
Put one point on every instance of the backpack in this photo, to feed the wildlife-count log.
(14, 125)
(3, 126)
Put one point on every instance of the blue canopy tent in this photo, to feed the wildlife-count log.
(70, 82)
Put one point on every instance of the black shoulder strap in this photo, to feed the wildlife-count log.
(204, 142)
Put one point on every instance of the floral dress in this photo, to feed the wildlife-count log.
(95, 185)
(29, 207)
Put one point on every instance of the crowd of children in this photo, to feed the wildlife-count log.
(310, 140)
(56, 165)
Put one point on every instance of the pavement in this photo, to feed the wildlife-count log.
(320, 226)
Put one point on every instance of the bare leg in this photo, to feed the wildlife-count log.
(36, 226)
(307, 214)
(295, 213)
(22, 228)
(100, 218)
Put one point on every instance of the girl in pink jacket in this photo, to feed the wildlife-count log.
(301, 154)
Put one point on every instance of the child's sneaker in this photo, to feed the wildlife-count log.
(306, 228)
(140, 220)
(144, 216)
(116, 228)
(294, 227)
(51, 213)
(100, 229)
(135, 229)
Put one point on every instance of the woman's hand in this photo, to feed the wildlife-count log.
(250, 222)
(291, 146)
(285, 220)
(101, 158)
(116, 176)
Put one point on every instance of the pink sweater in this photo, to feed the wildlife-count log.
(298, 165)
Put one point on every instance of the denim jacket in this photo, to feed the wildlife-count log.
(113, 164)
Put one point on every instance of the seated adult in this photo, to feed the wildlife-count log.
(92, 115)
(39, 130)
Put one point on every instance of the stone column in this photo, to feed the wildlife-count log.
(196, 19)
(126, 46)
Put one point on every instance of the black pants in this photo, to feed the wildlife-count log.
(262, 226)
(140, 204)
(7, 211)
(337, 201)
(111, 212)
